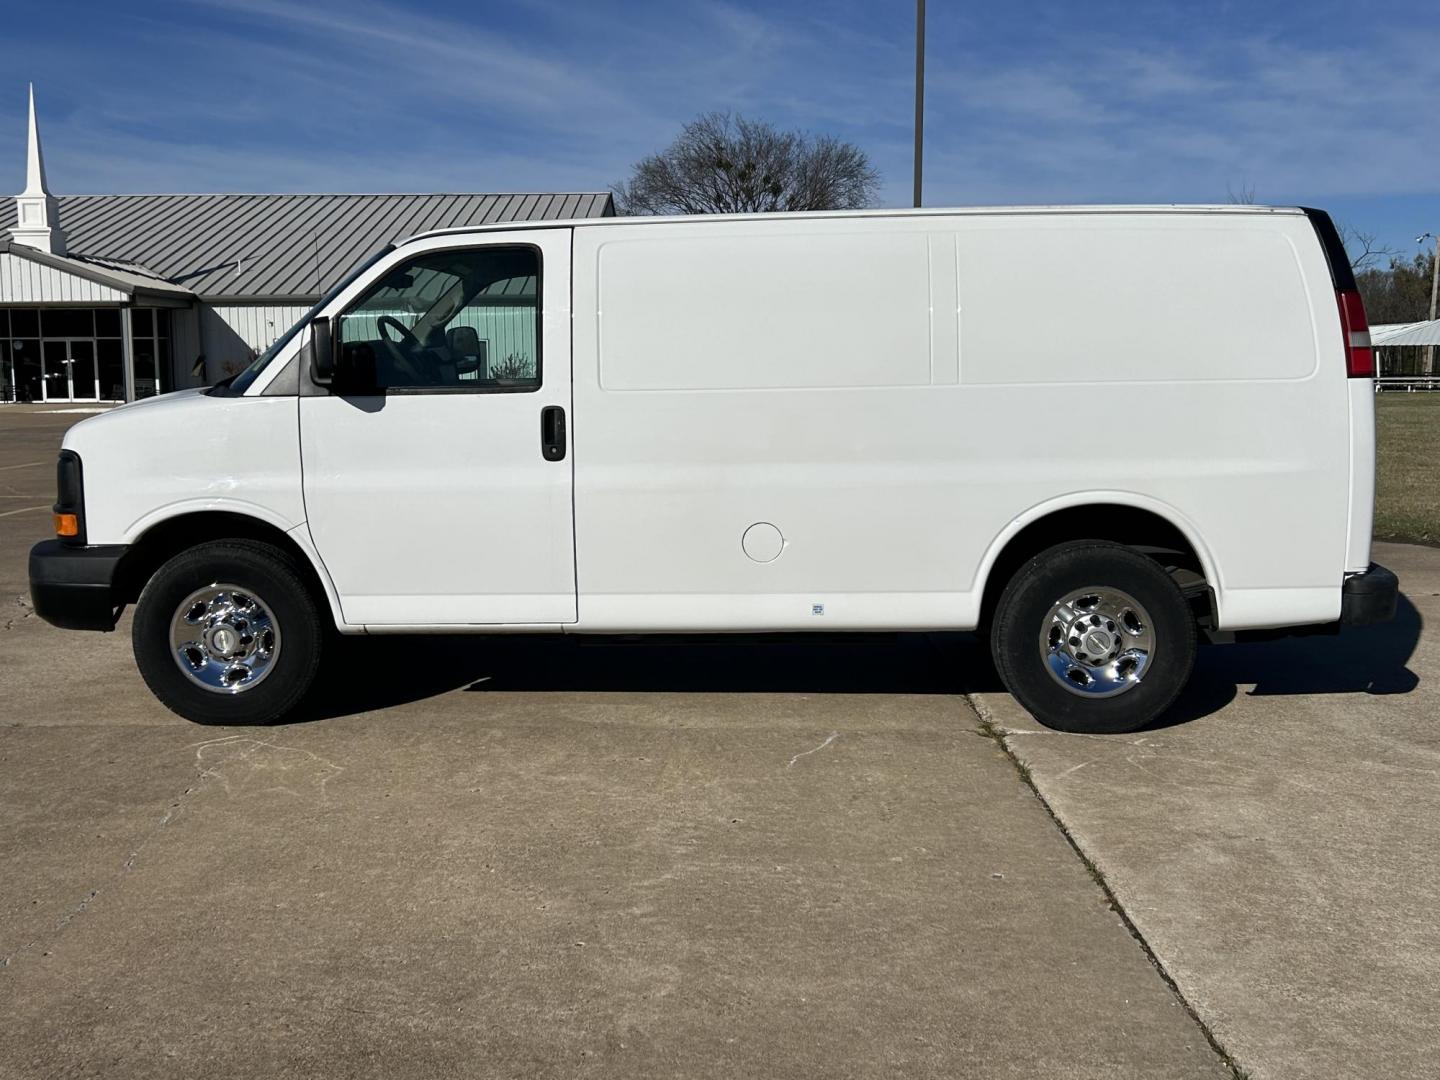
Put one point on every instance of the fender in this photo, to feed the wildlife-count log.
(298, 532)
(206, 504)
(1076, 499)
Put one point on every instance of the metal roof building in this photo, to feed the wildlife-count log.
(117, 296)
(1412, 333)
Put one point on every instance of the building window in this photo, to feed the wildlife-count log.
(25, 369)
(109, 355)
(20, 371)
(110, 368)
(63, 354)
(150, 329)
(67, 323)
(7, 372)
(24, 322)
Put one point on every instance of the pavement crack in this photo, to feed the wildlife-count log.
(80, 908)
(26, 611)
(235, 760)
(1000, 735)
(1073, 770)
(833, 736)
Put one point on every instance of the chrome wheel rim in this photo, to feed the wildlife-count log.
(224, 638)
(1097, 642)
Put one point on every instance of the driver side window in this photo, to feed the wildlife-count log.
(454, 320)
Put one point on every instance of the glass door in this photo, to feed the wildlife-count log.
(82, 371)
(68, 369)
(55, 370)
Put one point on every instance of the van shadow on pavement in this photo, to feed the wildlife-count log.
(399, 670)
(1360, 660)
(404, 669)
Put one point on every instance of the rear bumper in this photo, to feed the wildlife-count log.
(1369, 597)
(73, 587)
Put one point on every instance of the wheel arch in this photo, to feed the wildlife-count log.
(163, 539)
(1122, 517)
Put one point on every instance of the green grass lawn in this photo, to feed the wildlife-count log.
(1407, 473)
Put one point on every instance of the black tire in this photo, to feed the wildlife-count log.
(1025, 607)
(277, 581)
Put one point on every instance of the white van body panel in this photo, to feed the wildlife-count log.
(184, 453)
(437, 509)
(1186, 362)
(190, 453)
(886, 398)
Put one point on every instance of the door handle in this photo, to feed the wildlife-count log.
(552, 433)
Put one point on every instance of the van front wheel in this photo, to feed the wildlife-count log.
(228, 633)
(1093, 637)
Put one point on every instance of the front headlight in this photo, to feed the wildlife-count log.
(69, 508)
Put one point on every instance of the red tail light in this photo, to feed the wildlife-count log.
(1359, 357)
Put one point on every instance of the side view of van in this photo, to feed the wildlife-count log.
(1093, 434)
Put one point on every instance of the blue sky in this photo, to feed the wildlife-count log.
(1315, 102)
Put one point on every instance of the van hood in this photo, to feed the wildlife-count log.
(160, 400)
(166, 406)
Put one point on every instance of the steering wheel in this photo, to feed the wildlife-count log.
(405, 349)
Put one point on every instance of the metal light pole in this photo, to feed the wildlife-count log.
(920, 93)
(1429, 366)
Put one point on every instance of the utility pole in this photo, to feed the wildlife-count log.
(1429, 367)
(920, 94)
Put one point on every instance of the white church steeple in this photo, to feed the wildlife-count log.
(37, 219)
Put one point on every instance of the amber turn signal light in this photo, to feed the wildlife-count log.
(67, 525)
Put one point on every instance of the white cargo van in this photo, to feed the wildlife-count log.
(1090, 432)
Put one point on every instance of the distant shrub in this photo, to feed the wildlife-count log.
(514, 366)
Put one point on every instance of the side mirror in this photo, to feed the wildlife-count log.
(321, 350)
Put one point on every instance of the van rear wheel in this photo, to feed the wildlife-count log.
(1093, 637)
(228, 633)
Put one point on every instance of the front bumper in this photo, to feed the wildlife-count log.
(1369, 597)
(73, 587)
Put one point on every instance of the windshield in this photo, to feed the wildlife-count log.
(240, 383)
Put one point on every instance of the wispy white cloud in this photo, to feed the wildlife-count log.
(1033, 101)
(1111, 120)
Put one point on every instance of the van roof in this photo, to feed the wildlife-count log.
(967, 211)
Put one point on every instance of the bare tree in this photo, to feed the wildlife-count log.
(1363, 248)
(724, 164)
(1244, 197)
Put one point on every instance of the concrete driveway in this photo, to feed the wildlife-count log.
(1275, 842)
(552, 857)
